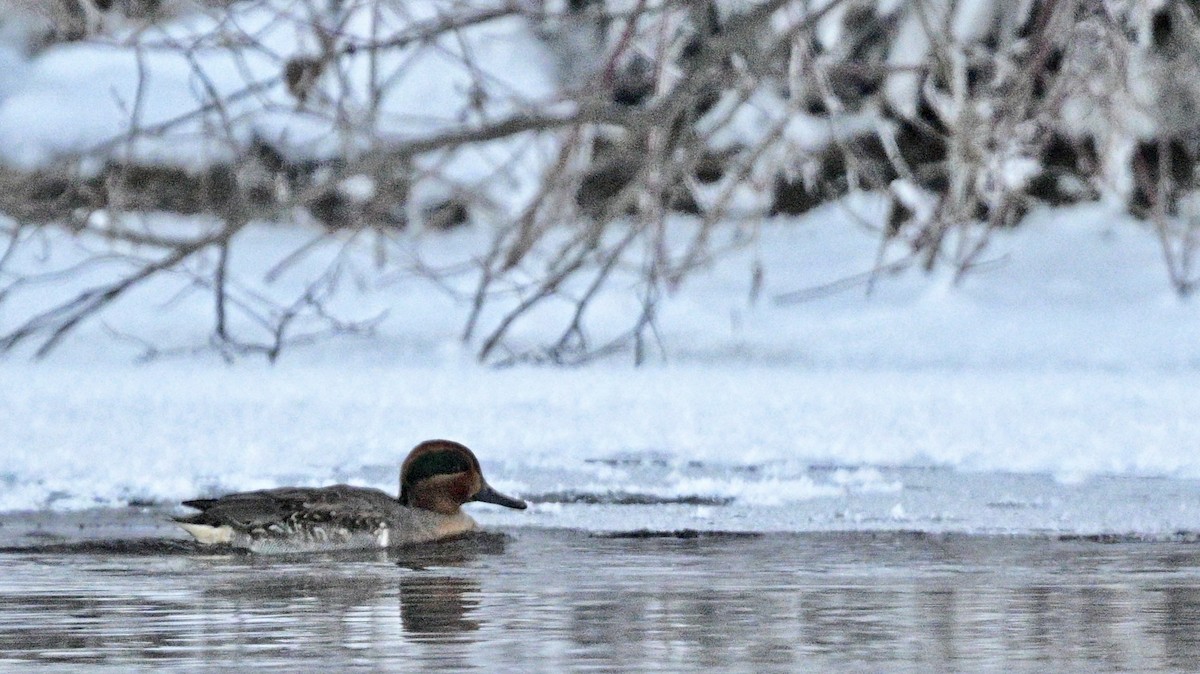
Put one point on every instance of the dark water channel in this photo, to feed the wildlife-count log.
(567, 601)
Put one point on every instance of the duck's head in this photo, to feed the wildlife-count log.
(441, 475)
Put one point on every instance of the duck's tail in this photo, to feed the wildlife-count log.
(207, 533)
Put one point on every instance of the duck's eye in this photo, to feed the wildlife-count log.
(437, 463)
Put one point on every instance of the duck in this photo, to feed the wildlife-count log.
(436, 478)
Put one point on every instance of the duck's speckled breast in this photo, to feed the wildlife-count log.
(402, 526)
(311, 539)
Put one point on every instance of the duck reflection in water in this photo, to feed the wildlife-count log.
(440, 607)
(437, 607)
(458, 551)
(338, 594)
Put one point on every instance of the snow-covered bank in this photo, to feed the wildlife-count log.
(709, 438)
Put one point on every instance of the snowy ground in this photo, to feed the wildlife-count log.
(734, 448)
(1054, 391)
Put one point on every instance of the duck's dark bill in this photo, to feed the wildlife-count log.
(489, 495)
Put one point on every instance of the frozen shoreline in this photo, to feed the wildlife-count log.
(820, 499)
(695, 447)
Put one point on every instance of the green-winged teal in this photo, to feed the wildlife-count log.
(437, 477)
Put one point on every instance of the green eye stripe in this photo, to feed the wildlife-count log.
(437, 463)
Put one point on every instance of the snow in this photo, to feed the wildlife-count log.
(1066, 363)
(768, 439)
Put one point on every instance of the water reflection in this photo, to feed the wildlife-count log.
(1180, 606)
(564, 601)
(454, 552)
(438, 607)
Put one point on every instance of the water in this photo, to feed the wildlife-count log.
(556, 600)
